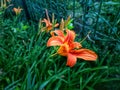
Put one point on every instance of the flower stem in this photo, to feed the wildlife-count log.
(86, 37)
(54, 54)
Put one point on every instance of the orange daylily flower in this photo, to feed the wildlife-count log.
(72, 50)
(49, 25)
(17, 10)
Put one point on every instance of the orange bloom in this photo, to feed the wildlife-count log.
(49, 25)
(70, 48)
(17, 10)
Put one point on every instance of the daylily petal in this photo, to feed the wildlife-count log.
(75, 45)
(70, 36)
(59, 33)
(85, 54)
(56, 25)
(55, 40)
(71, 60)
(47, 22)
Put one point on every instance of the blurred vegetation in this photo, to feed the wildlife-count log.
(26, 62)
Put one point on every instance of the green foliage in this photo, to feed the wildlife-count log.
(26, 63)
